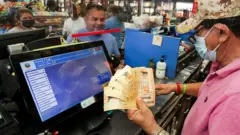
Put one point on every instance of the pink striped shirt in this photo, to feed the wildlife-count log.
(217, 109)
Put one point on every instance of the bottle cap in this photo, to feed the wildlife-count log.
(162, 59)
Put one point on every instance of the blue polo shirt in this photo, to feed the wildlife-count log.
(113, 23)
(108, 39)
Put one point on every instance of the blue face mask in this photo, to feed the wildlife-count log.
(202, 50)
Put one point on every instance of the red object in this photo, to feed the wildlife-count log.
(195, 7)
(187, 50)
(178, 88)
(97, 48)
(56, 133)
(95, 33)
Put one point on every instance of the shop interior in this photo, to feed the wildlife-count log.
(49, 85)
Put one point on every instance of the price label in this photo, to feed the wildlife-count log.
(157, 40)
(86, 103)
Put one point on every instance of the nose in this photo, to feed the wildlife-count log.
(100, 22)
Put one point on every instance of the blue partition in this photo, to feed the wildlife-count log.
(139, 50)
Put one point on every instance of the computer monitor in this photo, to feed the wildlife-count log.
(44, 42)
(55, 82)
(19, 37)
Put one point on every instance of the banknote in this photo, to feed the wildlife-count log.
(115, 93)
(111, 103)
(124, 80)
(145, 85)
(128, 84)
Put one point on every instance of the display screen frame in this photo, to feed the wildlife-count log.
(15, 61)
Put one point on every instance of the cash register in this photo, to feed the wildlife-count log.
(58, 83)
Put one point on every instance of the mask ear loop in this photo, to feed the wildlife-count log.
(208, 32)
(219, 43)
(217, 47)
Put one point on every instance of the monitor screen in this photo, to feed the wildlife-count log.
(62, 81)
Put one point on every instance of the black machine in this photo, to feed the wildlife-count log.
(8, 125)
(50, 81)
(7, 81)
(20, 37)
(45, 42)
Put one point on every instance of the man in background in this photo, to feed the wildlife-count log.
(114, 22)
(74, 23)
(95, 21)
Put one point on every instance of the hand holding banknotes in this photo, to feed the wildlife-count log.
(128, 84)
(122, 92)
(143, 117)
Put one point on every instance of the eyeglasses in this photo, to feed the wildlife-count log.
(197, 32)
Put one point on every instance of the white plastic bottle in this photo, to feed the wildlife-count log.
(161, 69)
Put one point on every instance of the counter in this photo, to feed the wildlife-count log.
(119, 123)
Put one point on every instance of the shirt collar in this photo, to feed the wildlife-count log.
(113, 17)
(85, 30)
(227, 70)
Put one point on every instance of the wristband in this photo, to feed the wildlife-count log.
(178, 88)
(158, 131)
(184, 89)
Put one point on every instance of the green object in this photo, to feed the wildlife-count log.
(109, 112)
(151, 64)
(184, 89)
(4, 13)
(58, 46)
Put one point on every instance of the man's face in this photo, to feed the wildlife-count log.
(95, 20)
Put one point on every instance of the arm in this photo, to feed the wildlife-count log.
(192, 89)
(115, 49)
(145, 119)
(64, 28)
(69, 39)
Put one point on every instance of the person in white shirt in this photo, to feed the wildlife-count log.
(74, 23)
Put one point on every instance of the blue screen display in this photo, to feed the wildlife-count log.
(60, 82)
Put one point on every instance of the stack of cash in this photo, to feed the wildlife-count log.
(128, 84)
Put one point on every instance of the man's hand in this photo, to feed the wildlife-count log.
(192, 89)
(143, 117)
(164, 89)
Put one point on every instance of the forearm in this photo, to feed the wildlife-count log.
(192, 88)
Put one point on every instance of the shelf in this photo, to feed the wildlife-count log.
(47, 24)
(50, 16)
(163, 10)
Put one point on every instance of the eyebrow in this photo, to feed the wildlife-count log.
(98, 17)
(199, 28)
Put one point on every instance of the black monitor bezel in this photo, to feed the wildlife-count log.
(28, 99)
(18, 37)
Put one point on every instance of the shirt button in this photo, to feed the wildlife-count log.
(206, 99)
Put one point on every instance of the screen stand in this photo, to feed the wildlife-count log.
(96, 121)
(86, 122)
